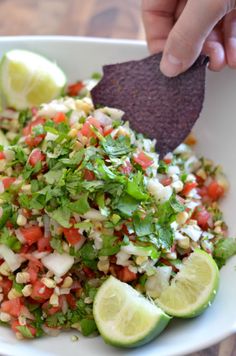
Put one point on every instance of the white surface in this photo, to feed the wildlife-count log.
(216, 132)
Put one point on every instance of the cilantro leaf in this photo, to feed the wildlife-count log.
(168, 210)
(127, 205)
(9, 240)
(88, 326)
(143, 227)
(224, 249)
(81, 205)
(25, 331)
(135, 187)
(62, 216)
(6, 214)
(116, 147)
(110, 246)
(165, 236)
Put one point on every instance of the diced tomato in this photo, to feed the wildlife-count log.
(32, 234)
(36, 156)
(34, 141)
(44, 244)
(15, 325)
(2, 155)
(7, 182)
(6, 285)
(166, 181)
(89, 273)
(32, 259)
(33, 271)
(167, 160)
(126, 168)
(188, 187)
(71, 301)
(50, 310)
(89, 175)
(215, 191)
(40, 292)
(76, 285)
(12, 307)
(203, 217)
(59, 117)
(107, 131)
(125, 275)
(74, 89)
(72, 235)
(28, 130)
(143, 160)
(87, 130)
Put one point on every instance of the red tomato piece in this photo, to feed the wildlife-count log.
(50, 310)
(188, 187)
(33, 271)
(203, 217)
(6, 285)
(89, 175)
(167, 160)
(28, 130)
(166, 181)
(72, 235)
(40, 292)
(44, 244)
(107, 131)
(2, 155)
(7, 182)
(34, 141)
(215, 191)
(143, 160)
(12, 307)
(71, 301)
(74, 89)
(87, 130)
(89, 273)
(59, 117)
(32, 234)
(125, 275)
(36, 156)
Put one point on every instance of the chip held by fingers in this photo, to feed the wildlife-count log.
(161, 108)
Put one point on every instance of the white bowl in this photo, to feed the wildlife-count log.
(216, 131)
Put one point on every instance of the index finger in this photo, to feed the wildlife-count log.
(158, 19)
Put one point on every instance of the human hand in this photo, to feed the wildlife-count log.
(183, 29)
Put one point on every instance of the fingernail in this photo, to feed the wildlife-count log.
(171, 65)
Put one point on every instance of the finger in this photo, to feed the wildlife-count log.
(214, 49)
(230, 38)
(179, 9)
(187, 37)
(158, 19)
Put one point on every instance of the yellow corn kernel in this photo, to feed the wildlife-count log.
(27, 290)
(67, 283)
(13, 294)
(182, 217)
(141, 259)
(22, 277)
(5, 317)
(73, 133)
(184, 243)
(4, 269)
(54, 300)
(48, 282)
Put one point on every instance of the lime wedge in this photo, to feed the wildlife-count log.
(193, 289)
(124, 317)
(28, 79)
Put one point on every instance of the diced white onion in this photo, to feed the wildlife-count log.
(12, 259)
(193, 231)
(104, 119)
(50, 331)
(20, 236)
(57, 263)
(94, 214)
(40, 255)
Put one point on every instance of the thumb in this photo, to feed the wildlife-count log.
(186, 39)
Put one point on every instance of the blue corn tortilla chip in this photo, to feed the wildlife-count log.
(155, 105)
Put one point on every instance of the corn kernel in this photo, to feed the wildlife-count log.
(26, 188)
(103, 265)
(13, 294)
(73, 133)
(50, 283)
(22, 320)
(54, 300)
(141, 259)
(5, 317)
(67, 283)
(27, 290)
(182, 217)
(22, 277)
(184, 243)
(4, 269)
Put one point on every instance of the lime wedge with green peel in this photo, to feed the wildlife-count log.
(28, 79)
(124, 317)
(193, 289)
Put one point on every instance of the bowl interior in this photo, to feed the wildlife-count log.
(215, 131)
